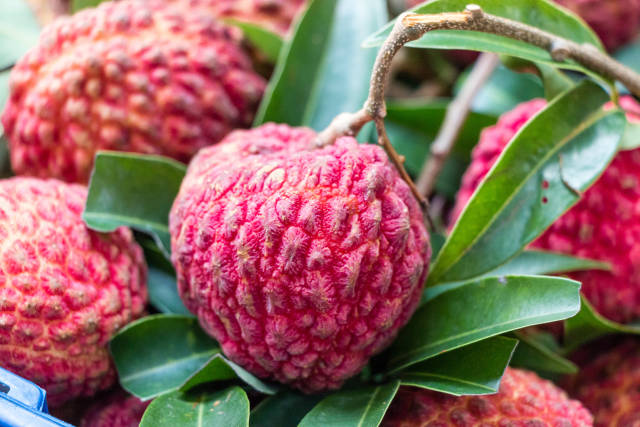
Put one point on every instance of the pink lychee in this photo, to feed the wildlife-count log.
(301, 262)
(64, 290)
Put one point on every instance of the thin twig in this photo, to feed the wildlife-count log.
(396, 159)
(455, 118)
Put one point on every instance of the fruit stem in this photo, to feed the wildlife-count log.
(457, 114)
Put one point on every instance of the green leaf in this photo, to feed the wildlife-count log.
(133, 190)
(555, 81)
(541, 173)
(77, 5)
(588, 326)
(470, 370)
(229, 408)
(267, 42)
(323, 71)
(157, 354)
(219, 368)
(504, 90)
(353, 407)
(285, 409)
(527, 263)
(163, 292)
(412, 126)
(5, 163)
(534, 354)
(631, 136)
(630, 55)
(19, 31)
(4, 90)
(480, 310)
(541, 14)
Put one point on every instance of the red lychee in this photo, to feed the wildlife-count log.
(302, 263)
(64, 289)
(145, 76)
(118, 410)
(603, 225)
(609, 386)
(523, 400)
(615, 22)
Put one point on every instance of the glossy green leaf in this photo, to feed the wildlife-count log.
(534, 353)
(631, 137)
(504, 90)
(267, 42)
(219, 368)
(555, 81)
(285, 409)
(323, 71)
(527, 263)
(353, 407)
(413, 125)
(163, 292)
(157, 354)
(19, 31)
(630, 55)
(588, 326)
(479, 310)
(555, 156)
(133, 190)
(541, 14)
(471, 370)
(228, 408)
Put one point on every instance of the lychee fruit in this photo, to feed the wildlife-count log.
(609, 386)
(604, 225)
(523, 400)
(118, 410)
(144, 76)
(302, 263)
(64, 290)
(615, 22)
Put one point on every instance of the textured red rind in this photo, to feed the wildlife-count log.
(524, 400)
(609, 386)
(603, 225)
(302, 263)
(64, 290)
(118, 410)
(616, 22)
(140, 76)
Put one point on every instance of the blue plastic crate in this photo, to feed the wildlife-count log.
(24, 404)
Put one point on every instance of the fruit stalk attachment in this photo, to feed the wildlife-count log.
(411, 26)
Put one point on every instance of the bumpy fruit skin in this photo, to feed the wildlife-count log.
(302, 263)
(118, 410)
(609, 386)
(616, 22)
(523, 400)
(274, 15)
(603, 225)
(143, 76)
(64, 290)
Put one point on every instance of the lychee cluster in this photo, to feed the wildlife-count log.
(144, 76)
(118, 410)
(609, 386)
(604, 225)
(615, 22)
(301, 262)
(523, 400)
(64, 290)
